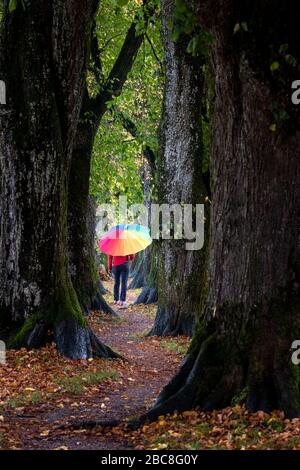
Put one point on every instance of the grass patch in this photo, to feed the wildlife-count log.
(195, 445)
(72, 385)
(102, 318)
(277, 426)
(147, 310)
(75, 385)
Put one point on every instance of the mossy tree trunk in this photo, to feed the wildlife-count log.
(180, 181)
(252, 314)
(43, 60)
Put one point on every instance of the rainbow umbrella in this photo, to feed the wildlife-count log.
(125, 239)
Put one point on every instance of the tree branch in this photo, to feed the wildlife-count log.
(153, 50)
(132, 129)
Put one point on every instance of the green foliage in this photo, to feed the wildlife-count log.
(274, 66)
(279, 113)
(206, 127)
(119, 3)
(175, 346)
(240, 398)
(185, 21)
(118, 161)
(199, 44)
(25, 399)
(116, 165)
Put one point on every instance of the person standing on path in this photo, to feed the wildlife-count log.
(119, 265)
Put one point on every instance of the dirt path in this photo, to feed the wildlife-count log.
(151, 363)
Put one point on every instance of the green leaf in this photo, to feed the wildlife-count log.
(244, 26)
(12, 5)
(274, 66)
(236, 28)
(290, 60)
(273, 127)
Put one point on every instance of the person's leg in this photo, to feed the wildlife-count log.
(117, 274)
(124, 278)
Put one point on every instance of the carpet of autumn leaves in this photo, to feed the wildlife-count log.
(43, 397)
(232, 428)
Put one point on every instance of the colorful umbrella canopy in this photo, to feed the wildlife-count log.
(125, 239)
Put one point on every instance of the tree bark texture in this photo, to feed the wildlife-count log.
(252, 313)
(180, 181)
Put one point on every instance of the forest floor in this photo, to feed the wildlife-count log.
(43, 396)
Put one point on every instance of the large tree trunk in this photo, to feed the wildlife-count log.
(43, 60)
(252, 314)
(180, 181)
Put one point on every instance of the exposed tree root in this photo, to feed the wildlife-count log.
(79, 342)
(218, 373)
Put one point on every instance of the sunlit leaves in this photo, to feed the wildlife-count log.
(185, 23)
(185, 20)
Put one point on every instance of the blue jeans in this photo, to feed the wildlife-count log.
(121, 276)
